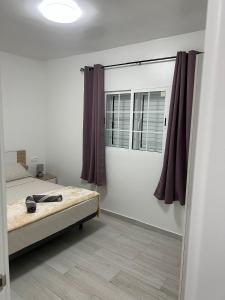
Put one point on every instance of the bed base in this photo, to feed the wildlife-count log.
(51, 237)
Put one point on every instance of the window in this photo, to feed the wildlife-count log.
(136, 120)
(118, 119)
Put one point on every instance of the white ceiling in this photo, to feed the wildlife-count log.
(104, 24)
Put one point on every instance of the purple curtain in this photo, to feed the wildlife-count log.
(172, 183)
(93, 169)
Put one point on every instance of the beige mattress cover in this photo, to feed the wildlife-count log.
(18, 190)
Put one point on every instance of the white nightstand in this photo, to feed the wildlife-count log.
(49, 177)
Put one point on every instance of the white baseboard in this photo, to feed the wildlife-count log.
(142, 224)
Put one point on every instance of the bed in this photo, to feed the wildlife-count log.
(28, 230)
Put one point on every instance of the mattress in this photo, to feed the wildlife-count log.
(33, 232)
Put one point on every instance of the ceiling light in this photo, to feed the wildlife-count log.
(61, 11)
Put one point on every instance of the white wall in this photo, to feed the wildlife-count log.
(132, 175)
(205, 259)
(4, 263)
(24, 105)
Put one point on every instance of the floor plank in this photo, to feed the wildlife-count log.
(109, 259)
(140, 290)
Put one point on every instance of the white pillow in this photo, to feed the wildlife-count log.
(15, 171)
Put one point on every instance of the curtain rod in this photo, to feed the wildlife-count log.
(139, 62)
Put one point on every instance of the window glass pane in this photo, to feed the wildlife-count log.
(156, 121)
(125, 102)
(112, 102)
(144, 122)
(148, 119)
(108, 136)
(140, 121)
(118, 120)
(139, 141)
(111, 138)
(144, 141)
(154, 142)
(124, 121)
(140, 101)
(124, 139)
(157, 101)
(111, 120)
(137, 121)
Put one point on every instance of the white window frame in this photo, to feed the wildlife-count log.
(117, 93)
(165, 89)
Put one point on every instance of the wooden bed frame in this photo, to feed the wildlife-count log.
(18, 156)
(22, 157)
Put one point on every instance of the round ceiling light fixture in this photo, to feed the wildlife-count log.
(60, 11)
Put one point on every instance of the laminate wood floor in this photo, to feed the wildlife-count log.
(110, 259)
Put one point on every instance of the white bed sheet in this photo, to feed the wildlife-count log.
(21, 188)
